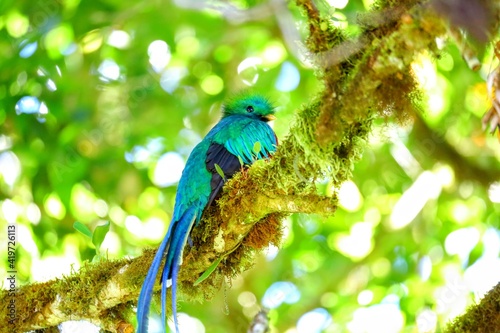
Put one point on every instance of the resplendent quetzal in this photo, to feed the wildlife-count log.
(231, 142)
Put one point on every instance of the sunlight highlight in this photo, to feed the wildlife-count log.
(484, 274)
(80, 326)
(314, 321)
(159, 55)
(434, 85)
(10, 210)
(17, 24)
(112, 245)
(247, 70)
(119, 39)
(58, 40)
(168, 169)
(403, 156)
(212, 84)
(339, 4)
(280, 292)
(10, 168)
(32, 105)
(92, 41)
(134, 225)
(494, 192)
(357, 244)
(461, 242)
(187, 46)
(426, 321)
(451, 299)
(82, 203)
(365, 297)
(33, 213)
(247, 299)
(51, 85)
(54, 207)
(28, 243)
(171, 78)
(413, 200)
(109, 70)
(52, 266)
(288, 78)
(153, 228)
(378, 318)
(273, 54)
(350, 198)
(425, 268)
(27, 49)
(187, 324)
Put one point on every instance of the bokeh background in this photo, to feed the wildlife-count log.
(101, 102)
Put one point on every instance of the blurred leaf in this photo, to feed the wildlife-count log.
(99, 234)
(476, 253)
(219, 171)
(208, 271)
(83, 229)
(256, 147)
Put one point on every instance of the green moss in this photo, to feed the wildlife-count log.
(77, 293)
(388, 4)
(479, 318)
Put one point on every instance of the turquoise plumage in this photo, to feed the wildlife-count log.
(231, 141)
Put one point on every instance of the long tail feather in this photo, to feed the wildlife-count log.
(175, 272)
(174, 251)
(171, 248)
(147, 287)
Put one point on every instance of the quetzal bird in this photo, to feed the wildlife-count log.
(229, 144)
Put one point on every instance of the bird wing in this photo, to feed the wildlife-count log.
(233, 152)
(217, 154)
(243, 143)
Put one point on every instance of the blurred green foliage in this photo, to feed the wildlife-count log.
(97, 237)
(93, 94)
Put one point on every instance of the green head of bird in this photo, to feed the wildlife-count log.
(250, 105)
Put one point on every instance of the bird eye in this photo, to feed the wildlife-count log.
(249, 108)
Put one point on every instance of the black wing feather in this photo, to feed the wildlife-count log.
(229, 163)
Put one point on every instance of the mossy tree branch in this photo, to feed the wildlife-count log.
(104, 292)
(483, 317)
(371, 78)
